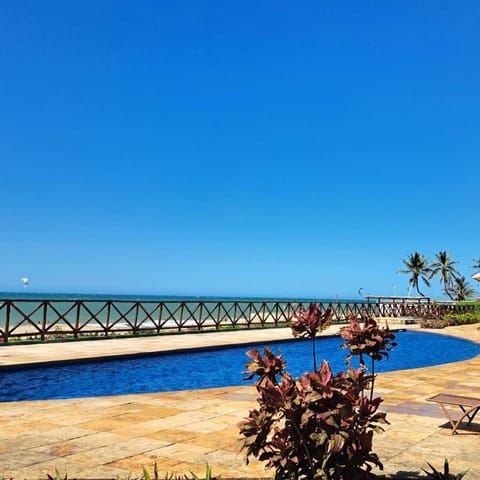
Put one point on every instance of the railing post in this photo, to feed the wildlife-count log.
(77, 319)
(7, 322)
(199, 325)
(217, 316)
(135, 324)
(179, 325)
(107, 326)
(235, 319)
(249, 318)
(44, 320)
(160, 311)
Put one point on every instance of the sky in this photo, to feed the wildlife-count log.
(255, 148)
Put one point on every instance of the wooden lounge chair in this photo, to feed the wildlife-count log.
(468, 405)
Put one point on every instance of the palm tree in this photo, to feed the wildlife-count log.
(444, 266)
(476, 264)
(417, 267)
(462, 289)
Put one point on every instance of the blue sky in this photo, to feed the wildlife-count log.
(273, 148)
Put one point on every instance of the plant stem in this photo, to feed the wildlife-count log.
(362, 365)
(307, 451)
(373, 380)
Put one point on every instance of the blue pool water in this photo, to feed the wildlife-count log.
(211, 368)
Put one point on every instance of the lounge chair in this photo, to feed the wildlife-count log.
(469, 406)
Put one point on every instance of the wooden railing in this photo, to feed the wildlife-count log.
(418, 310)
(46, 319)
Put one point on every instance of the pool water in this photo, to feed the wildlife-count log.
(210, 368)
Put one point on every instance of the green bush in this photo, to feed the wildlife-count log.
(436, 323)
(462, 318)
(450, 319)
(476, 306)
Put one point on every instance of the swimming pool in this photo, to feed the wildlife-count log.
(210, 368)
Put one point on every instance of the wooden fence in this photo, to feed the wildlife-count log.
(46, 319)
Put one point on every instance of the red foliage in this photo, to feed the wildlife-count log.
(309, 323)
(370, 340)
(321, 425)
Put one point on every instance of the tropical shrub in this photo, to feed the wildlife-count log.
(463, 318)
(449, 320)
(155, 475)
(436, 323)
(367, 341)
(309, 323)
(475, 304)
(321, 425)
(445, 475)
(434, 319)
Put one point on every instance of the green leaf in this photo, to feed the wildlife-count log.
(146, 475)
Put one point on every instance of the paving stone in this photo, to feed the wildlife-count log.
(173, 436)
(18, 459)
(181, 431)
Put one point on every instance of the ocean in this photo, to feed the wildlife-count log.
(28, 295)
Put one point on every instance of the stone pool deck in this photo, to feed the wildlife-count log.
(181, 431)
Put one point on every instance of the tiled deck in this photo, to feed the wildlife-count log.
(108, 436)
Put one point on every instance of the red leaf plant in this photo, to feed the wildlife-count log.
(309, 323)
(369, 340)
(319, 426)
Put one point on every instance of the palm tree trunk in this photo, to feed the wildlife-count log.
(418, 288)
